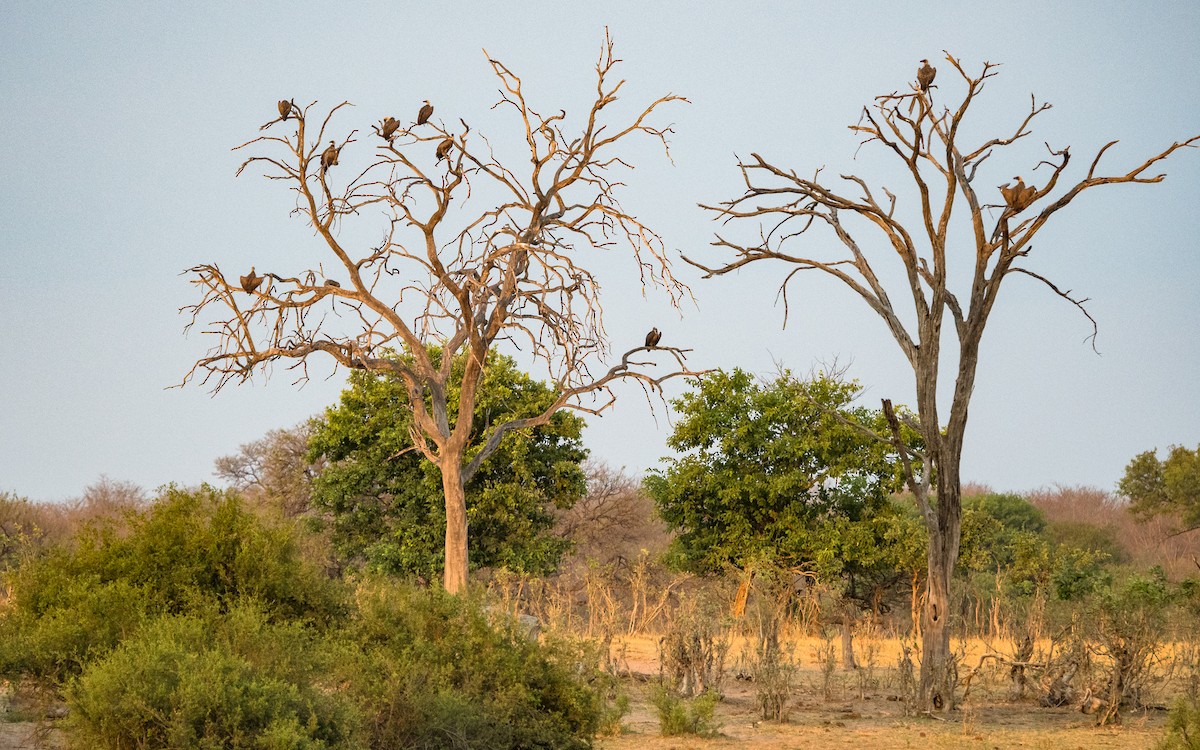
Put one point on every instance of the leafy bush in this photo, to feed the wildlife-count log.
(437, 673)
(678, 716)
(234, 680)
(190, 549)
(1183, 725)
(88, 618)
(1129, 627)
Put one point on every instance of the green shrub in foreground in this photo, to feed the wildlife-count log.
(58, 641)
(440, 673)
(679, 716)
(212, 680)
(189, 550)
(1183, 725)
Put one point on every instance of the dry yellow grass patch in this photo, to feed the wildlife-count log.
(862, 716)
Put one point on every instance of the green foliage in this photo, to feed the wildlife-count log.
(769, 472)
(1170, 487)
(1005, 533)
(678, 716)
(387, 503)
(213, 680)
(440, 673)
(189, 549)
(1183, 725)
(1129, 622)
(87, 618)
(1089, 537)
(198, 625)
(1013, 512)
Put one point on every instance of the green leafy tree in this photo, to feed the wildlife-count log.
(776, 473)
(387, 504)
(1012, 511)
(1170, 487)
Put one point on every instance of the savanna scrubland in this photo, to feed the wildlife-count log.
(255, 616)
(432, 564)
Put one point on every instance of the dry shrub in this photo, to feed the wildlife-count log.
(1075, 509)
(773, 668)
(614, 523)
(691, 654)
(825, 657)
(273, 472)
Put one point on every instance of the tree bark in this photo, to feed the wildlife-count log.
(743, 594)
(915, 605)
(938, 674)
(848, 662)
(455, 574)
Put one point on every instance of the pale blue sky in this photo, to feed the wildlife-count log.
(118, 119)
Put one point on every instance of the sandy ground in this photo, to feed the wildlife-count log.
(26, 735)
(862, 716)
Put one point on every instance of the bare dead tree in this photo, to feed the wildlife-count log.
(788, 209)
(274, 470)
(615, 521)
(475, 253)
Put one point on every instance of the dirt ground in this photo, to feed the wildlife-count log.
(858, 715)
(861, 716)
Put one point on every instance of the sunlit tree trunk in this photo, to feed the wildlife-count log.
(454, 577)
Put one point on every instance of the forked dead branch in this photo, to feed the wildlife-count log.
(792, 214)
(476, 251)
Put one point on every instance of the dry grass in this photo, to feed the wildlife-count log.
(867, 716)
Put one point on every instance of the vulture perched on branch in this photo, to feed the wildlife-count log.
(329, 157)
(653, 338)
(251, 281)
(388, 128)
(1018, 197)
(285, 107)
(925, 75)
(425, 113)
(443, 149)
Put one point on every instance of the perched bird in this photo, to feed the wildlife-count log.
(443, 149)
(653, 338)
(332, 283)
(389, 127)
(425, 113)
(925, 75)
(329, 157)
(1026, 198)
(285, 107)
(251, 281)
(1019, 196)
(1009, 193)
